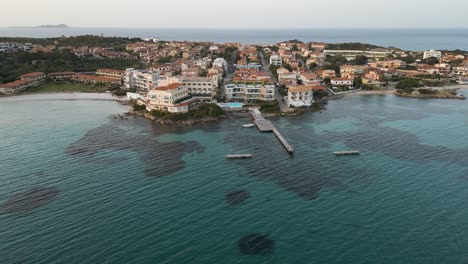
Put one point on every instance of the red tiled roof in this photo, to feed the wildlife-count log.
(169, 87)
(32, 74)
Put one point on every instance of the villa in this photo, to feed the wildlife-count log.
(300, 96)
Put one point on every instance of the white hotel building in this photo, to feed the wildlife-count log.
(140, 80)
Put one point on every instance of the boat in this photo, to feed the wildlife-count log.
(248, 125)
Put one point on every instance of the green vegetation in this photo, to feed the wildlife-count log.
(408, 83)
(85, 40)
(352, 46)
(204, 111)
(139, 107)
(360, 60)
(120, 92)
(58, 87)
(12, 66)
(268, 107)
(431, 60)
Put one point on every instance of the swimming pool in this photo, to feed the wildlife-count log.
(231, 105)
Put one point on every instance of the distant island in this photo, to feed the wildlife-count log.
(47, 26)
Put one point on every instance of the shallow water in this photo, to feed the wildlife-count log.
(136, 192)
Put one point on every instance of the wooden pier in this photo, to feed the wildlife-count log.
(239, 156)
(345, 153)
(265, 125)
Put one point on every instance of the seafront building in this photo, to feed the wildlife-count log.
(26, 81)
(249, 92)
(140, 80)
(300, 96)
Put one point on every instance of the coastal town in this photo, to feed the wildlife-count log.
(180, 76)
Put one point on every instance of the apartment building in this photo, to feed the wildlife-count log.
(26, 81)
(432, 53)
(60, 76)
(249, 92)
(276, 60)
(140, 80)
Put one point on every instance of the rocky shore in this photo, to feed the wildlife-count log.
(168, 122)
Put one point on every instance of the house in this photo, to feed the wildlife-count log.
(432, 54)
(328, 74)
(220, 63)
(276, 60)
(374, 75)
(300, 96)
(309, 79)
(353, 69)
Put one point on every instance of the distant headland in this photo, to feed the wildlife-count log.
(47, 26)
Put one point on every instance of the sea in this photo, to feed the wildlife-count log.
(416, 39)
(79, 185)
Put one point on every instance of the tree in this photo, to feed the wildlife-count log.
(360, 60)
(313, 65)
(357, 82)
(431, 60)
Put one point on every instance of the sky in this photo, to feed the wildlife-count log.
(237, 13)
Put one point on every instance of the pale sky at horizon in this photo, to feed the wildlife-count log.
(237, 13)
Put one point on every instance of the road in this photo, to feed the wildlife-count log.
(279, 98)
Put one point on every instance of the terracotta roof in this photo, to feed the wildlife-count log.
(110, 70)
(32, 74)
(169, 87)
(15, 83)
(60, 73)
(301, 88)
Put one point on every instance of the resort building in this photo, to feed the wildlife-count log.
(113, 73)
(276, 60)
(432, 53)
(27, 81)
(309, 79)
(249, 92)
(300, 96)
(15, 87)
(142, 81)
(60, 76)
(173, 98)
(201, 86)
(34, 78)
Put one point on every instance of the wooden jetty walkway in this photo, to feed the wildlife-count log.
(343, 153)
(265, 125)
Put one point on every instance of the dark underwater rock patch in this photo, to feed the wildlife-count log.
(29, 200)
(236, 197)
(161, 159)
(256, 244)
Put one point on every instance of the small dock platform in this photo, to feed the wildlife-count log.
(239, 156)
(346, 153)
(265, 125)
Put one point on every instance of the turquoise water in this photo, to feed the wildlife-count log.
(133, 192)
